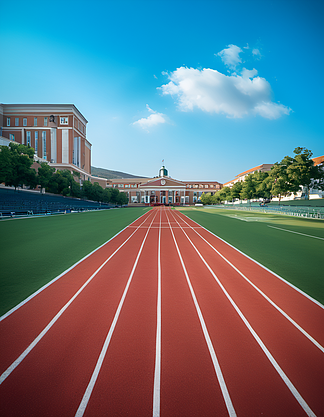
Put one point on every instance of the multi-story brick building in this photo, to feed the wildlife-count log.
(163, 189)
(57, 132)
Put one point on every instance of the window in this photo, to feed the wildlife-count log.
(45, 121)
(17, 121)
(8, 121)
(44, 143)
(35, 121)
(64, 120)
(206, 186)
(11, 136)
(28, 138)
(120, 186)
(36, 142)
(25, 121)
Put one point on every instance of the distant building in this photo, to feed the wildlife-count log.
(163, 189)
(243, 175)
(57, 132)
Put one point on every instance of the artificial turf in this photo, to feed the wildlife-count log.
(295, 257)
(37, 249)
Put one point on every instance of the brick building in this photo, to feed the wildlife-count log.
(57, 132)
(163, 189)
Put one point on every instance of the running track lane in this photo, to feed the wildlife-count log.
(54, 376)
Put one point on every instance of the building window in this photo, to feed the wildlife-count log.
(11, 136)
(64, 120)
(17, 121)
(206, 186)
(120, 185)
(36, 142)
(8, 121)
(45, 121)
(35, 121)
(44, 144)
(25, 121)
(28, 138)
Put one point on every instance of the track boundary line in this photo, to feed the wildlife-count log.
(218, 371)
(157, 370)
(63, 273)
(303, 331)
(14, 365)
(262, 266)
(297, 233)
(272, 360)
(86, 397)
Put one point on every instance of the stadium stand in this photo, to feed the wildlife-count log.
(17, 203)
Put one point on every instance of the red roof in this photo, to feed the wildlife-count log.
(318, 160)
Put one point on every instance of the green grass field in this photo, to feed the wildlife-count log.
(295, 257)
(37, 249)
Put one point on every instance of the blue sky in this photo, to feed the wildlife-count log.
(212, 87)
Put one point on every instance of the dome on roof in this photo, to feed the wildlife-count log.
(163, 172)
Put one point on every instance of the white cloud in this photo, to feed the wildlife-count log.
(256, 53)
(231, 56)
(213, 92)
(154, 119)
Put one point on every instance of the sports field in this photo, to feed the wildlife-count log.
(166, 319)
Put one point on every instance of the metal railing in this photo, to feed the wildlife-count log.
(297, 211)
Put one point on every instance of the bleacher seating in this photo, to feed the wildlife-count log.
(22, 202)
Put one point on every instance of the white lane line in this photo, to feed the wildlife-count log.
(157, 371)
(219, 374)
(303, 331)
(89, 389)
(14, 365)
(297, 233)
(67, 270)
(272, 360)
(262, 266)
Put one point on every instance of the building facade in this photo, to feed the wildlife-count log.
(57, 132)
(163, 189)
(243, 175)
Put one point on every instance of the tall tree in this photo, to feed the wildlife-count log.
(44, 175)
(249, 188)
(16, 161)
(236, 190)
(302, 172)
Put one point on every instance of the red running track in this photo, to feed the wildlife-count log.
(165, 319)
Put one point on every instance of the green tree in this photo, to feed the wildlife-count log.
(236, 190)
(206, 198)
(122, 199)
(44, 175)
(216, 199)
(16, 161)
(262, 189)
(6, 166)
(249, 188)
(302, 172)
(277, 181)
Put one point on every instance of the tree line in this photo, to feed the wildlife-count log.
(284, 178)
(16, 171)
